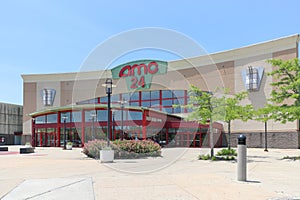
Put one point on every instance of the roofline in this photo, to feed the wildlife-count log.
(94, 106)
(266, 47)
(278, 44)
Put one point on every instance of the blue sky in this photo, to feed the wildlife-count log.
(53, 36)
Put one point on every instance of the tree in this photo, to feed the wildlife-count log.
(264, 115)
(285, 94)
(201, 103)
(233, 110)
(207, 108)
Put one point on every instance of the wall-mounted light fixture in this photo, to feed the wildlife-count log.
(252, 77)
(48, 96)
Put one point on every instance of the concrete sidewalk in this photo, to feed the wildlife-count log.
(53, 173)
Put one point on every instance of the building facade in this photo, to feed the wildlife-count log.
(73, 106)
(11, 121)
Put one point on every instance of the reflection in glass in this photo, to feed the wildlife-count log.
(166, 94)
(146, 95)
(155, 94)
(65, 115)
(40, 120)
(135, 96)
(76, 116)
(134, 103)
(102, 115)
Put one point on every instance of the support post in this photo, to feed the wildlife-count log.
(242, 159)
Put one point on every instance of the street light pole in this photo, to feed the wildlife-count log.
(33, 133)
(266, 142)
(211, 130)
(113, 124)
(65, 129)
(93, 115)
(108, 84)
(122, 117)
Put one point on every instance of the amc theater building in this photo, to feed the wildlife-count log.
(74, 106)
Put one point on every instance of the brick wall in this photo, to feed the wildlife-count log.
(285, 140)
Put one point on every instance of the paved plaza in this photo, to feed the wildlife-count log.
(53, 173)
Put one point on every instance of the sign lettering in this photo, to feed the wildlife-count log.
(138, 74)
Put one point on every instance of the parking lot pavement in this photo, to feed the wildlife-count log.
(53, 173)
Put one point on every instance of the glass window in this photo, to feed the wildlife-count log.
(125, 96)
(155, 94)
(167, 102)
(102, 115)
(76, 116)
(178, 102)
(115, 98)
(135, 115)
(40, 120)
(146, 103)
(65, 115)
(103, 99)
(134, 103)
(166, 94)
(172, 130)
(135, 96)
(168, 110)
(178, 93)
(52, 118)
(88, 115)
(117, 115)
(146, 95)
(155, 103)
(177, 110)
(93, 101)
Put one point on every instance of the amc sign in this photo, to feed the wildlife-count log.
(138, 74)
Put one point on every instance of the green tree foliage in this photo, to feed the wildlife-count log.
(201, 104)
(285, 93)
(234, 110)
(207, 107)
(264, 114)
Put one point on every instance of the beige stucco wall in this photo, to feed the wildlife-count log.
(207, 72)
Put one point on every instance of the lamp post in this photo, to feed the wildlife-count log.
(93, 116)
(211, 130)
(65, 129)
(113, 124)
(122, 102)
(266, 142)
(33, 143)
(108, 84)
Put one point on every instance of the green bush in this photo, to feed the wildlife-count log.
(227, 152)
(206, 157)
(224, 154)
(124, 148)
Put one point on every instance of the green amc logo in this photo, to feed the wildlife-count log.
(138, 74)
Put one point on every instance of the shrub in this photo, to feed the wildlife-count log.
(91, 149)
(224, 154)
(124, 148)
(204, 157)
(136, 148)
(227, 152)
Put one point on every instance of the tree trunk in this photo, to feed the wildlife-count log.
(229, 135)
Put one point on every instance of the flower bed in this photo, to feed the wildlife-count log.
(124, 149)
